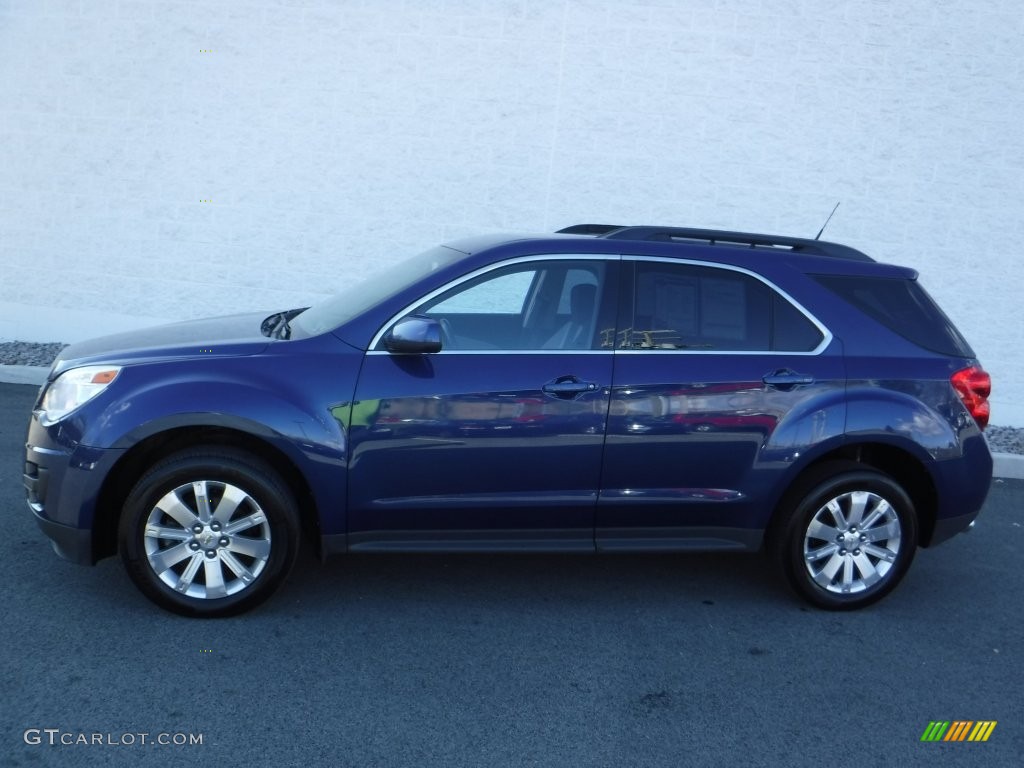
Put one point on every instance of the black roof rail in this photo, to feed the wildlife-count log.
(589, 229)
(719, 237)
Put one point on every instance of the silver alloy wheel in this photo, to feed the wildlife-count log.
(207, 539)
(852, 542)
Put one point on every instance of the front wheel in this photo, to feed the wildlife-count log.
(847, 540)
(209, 532)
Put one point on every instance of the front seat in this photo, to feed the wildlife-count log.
(578, 332)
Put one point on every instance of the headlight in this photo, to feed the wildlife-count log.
(73, 389)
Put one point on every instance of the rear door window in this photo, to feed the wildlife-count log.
(691, 307)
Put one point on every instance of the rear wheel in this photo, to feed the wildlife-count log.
(209, 532)
(847, 538)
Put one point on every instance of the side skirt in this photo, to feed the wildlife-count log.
(547, 540)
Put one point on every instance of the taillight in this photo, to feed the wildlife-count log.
(974, 386)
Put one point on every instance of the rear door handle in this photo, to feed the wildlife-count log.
(568, 387)
(787, 379)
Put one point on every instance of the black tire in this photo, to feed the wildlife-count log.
(244, 550)
(825, 564)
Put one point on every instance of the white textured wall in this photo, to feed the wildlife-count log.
(331, 137)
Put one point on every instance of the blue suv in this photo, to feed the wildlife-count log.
(605, 388)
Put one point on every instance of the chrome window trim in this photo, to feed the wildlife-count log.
(826, 334)
(747, 352)
(500, 352)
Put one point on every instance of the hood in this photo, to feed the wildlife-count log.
(229, 336)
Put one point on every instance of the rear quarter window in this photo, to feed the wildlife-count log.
(902, 306)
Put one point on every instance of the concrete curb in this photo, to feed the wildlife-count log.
(23, 374)
(1008, 465)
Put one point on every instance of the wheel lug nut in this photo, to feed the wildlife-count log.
(863, 538)
(215, 526)
(194, 545)
(223, 541)
(856, 551)
(197, 528)
(211, 553)
(842, 551)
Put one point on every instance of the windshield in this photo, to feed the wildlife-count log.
(365, 292)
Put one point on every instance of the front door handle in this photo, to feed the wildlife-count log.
(568, 387)
(787, 379)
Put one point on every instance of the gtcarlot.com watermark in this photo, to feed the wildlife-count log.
(57, 737)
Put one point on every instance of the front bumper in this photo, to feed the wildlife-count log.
(72, 544)
(63, 483)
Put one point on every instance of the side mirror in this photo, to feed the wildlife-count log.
(414, 334)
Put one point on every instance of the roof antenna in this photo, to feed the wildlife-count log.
(818, 236)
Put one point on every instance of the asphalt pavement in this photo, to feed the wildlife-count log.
(519, 660)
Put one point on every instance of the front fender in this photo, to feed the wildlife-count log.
(236, 401)
(293, 410)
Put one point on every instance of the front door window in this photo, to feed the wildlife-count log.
(545, 305)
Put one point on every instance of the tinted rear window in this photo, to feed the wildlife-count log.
(904, 307)
(683, 306)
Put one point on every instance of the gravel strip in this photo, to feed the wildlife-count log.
(1005, 439)
(27, 353)
(1000, 439)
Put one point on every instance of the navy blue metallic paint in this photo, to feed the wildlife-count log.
(455, 442)
(294, 396)
(696, 440)
(668, 449)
